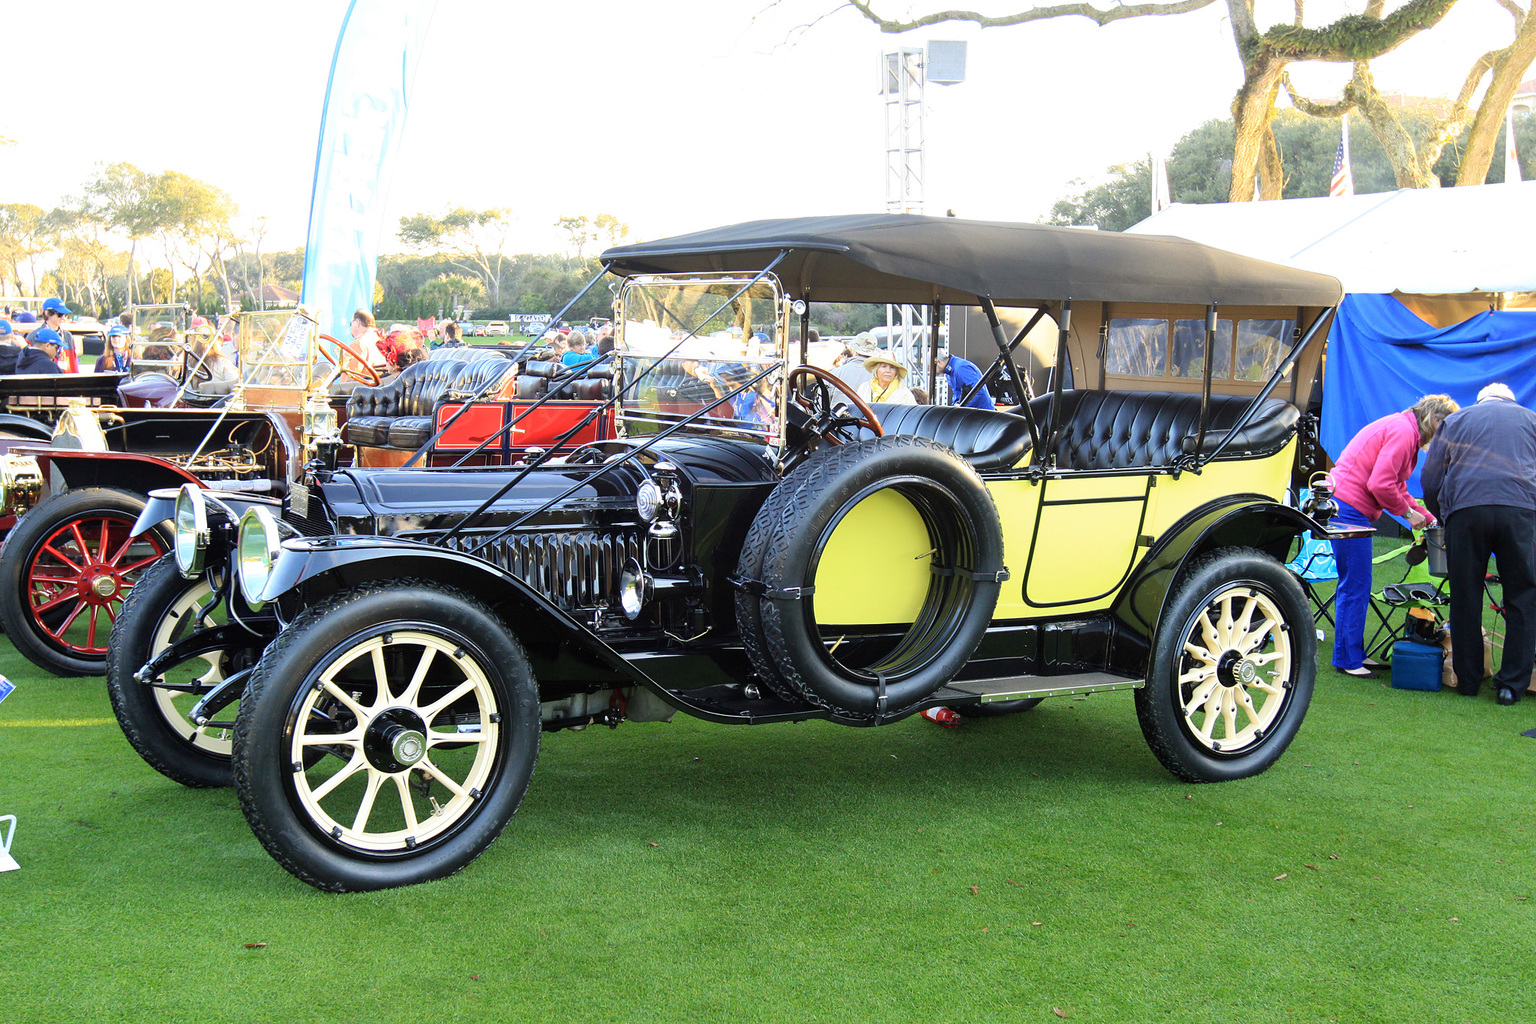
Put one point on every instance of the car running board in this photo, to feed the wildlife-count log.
(1017, 687)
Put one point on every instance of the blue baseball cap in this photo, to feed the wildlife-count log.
(26, 316)
(56, 306)
(5, 327)
(118, 330)
(46, 335)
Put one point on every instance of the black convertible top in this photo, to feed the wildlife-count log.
(907, 258)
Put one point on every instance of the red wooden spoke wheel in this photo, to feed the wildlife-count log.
(80, 575)
(64, 573)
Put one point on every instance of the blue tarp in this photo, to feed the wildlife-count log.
(1382, 358)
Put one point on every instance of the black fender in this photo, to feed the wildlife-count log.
(127, 471)
(26, 426)
(1249, 521)
(310, 569)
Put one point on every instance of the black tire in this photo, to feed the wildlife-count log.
(164, 608)
(1207, 711)
(783, 549)
(306, 817)
(64, 572)
(1000, 708)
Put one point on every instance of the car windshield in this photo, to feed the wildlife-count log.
(710, 347)
(275, 350)
(158, 338)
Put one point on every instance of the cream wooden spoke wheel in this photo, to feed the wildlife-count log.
(174, 643)
(1232, 667)
(408, 759)
(1235, 676)
(386, 736)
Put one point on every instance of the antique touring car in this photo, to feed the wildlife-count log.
(372, 659)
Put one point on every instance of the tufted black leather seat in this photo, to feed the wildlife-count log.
(988, 440)
(1123, 429)
(399, 414)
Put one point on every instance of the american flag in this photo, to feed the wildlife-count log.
(1343, 183)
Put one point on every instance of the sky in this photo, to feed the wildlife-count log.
(672, 115)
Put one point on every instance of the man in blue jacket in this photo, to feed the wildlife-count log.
(42, 352)
(963, 375)
(1480, 480)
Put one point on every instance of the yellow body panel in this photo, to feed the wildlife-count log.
(875, 567)
(1091, 533)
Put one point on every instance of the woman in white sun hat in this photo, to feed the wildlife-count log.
(886, 384)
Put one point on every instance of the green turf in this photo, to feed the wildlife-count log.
(694, 872)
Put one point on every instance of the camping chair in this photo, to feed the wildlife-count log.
(1314, 565)
(1394, 603)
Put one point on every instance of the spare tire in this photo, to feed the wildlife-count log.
(885, 671)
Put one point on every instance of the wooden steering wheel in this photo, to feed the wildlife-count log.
(825, 420)
(372, 379)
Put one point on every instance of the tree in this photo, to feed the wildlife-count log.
(473, 239)
(1200, 167)
(120, 194)
(449, 293)
(24, 236)
(615, 229)
(1414, 153)
(1264, 54)
(577, 228)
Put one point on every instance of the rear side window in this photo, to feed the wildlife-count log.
(1242, 350)
(1136, 347)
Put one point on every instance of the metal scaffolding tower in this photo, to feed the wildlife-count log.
(902, 82)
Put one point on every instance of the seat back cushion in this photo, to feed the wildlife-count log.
(1125, 429)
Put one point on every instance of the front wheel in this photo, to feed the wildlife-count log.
(386, 737)
(1233, 668)
(65, 570)
(165, 609)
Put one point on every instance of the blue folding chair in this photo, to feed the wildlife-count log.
(1314, 564)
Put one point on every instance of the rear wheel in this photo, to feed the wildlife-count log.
(425, 716)
(1233, 668)
(64, 572)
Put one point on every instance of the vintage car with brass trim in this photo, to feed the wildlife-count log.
(371, 659)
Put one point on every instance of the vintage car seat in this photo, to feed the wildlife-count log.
(987, 439)
(399, 414)
(1127, 429)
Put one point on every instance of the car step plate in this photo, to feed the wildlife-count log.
(1015, 687)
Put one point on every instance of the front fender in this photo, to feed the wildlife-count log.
(1238, 521)
(309, 569)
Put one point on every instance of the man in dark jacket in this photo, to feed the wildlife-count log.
(1480, 480)
(42, 352)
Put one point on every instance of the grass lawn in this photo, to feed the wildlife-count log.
(1031, 868)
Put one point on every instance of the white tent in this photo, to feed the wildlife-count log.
(1441, 241)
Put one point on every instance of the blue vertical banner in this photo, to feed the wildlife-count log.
(366, 100)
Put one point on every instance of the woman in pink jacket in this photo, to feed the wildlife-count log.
(1371, 477)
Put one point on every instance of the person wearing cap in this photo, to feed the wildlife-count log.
(54, 315)
(963, 375)
(24, 322)
(850, 368)
(114, 356)
(1480, 479)
(885, 383)
(42, 352)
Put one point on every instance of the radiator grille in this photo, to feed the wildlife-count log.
(576, 570)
